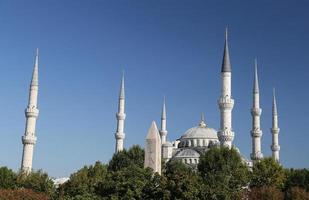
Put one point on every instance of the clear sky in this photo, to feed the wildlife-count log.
(172, 48)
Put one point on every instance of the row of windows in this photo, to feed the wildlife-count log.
(190, 160)
(196, 142)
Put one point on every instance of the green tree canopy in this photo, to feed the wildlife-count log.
(82, 184)
(267, 172)
(125, 158)
(224, 173)
(7, 178)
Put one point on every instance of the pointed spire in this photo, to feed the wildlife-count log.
(226, 64)
(35, 74)
(163, 115)
(275, 112)
(202, 122)
(256, 80)
(122, 94)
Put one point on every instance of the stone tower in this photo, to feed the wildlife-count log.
(120, 135)
(256, 112)
(32, 113)
(275, 147)
(225, 102)
(163, 131)
(153, 149)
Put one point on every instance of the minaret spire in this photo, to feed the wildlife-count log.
(32, 113)
(226, 63)
(225, 102)
(256, 112)
(163, 131)
(120, 135)
(275, 147)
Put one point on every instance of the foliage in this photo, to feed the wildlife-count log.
(37, 181)
(297, 178)
(126, 158)
(24, 194)
(267, 172)
(265, 193)
(224, 173)
(82, 183)
(182, 181)
(127, 183)
(7, 178)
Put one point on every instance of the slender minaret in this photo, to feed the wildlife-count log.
(32, 113)
(163, 131)
(225, 102)
(256, 112)
(119, 135)
(275, 147)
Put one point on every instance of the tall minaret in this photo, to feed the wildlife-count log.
(32, 113)
(275, 147)
(163, 131)
(225, 102)
(119, 135)
(256, 112)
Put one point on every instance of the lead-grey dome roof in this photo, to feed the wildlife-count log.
(202, 131)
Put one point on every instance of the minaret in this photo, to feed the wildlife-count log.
(119, 135)
(32, 113)
(275, 130)
(163, 131)
(256, 112)
(225, 102)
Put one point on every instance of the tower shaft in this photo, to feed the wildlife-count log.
(225, 102)
(256, 112)
(163, 131)
(275, 147)
(31, 113)
(120, 116)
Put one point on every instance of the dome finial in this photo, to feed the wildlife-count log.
(202, 123)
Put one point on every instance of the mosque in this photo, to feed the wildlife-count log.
(198, 139)
(194, 142)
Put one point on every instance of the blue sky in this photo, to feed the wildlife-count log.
(172, 48)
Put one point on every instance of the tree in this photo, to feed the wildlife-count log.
(7, 178)
(297, 178)
(224, 173)
(125, 158)
(82, 184)
(265, 193)
(267, 172)
(182, 181)
(24, 194)
(125, 183)
(38, 181)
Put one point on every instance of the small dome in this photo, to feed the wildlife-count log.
(187, 153)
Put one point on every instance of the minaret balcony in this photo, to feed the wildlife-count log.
(275, 130)
(256, 111)
(119, 136)
(29, 139)
(226, 103)
(225, 135)
(256, 132)
(163, 133)
(256, 156)
(120, 116)
(275, 147)
(32, 112)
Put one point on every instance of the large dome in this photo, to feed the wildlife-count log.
(200, 132)
(200, 135)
